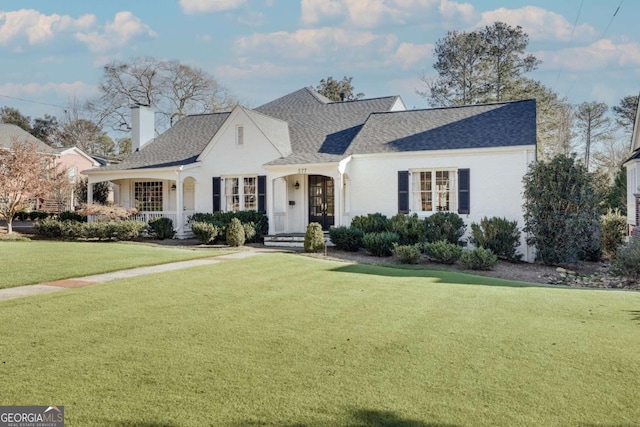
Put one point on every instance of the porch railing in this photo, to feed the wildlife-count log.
(172, 215)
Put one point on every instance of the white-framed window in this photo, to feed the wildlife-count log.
(239, 135)
(148, 196)
(241, 193)
(72, 173)
(434, 190)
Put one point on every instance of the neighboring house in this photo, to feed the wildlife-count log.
(303, 158)
(9, 134)
(75, 162)
(633, 181)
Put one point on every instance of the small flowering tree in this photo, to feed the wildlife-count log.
(25, 175)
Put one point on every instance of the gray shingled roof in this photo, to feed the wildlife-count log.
(479, 126)
(11, 133)
(321, 130)
(180, 145)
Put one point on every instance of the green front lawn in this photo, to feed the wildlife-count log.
(288, 340)
(29, 262)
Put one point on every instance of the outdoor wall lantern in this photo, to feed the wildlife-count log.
(296, 185)
(173, 187)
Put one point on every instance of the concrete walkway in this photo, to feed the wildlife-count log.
(96, 279)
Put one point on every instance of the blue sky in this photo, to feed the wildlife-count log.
(260, 49)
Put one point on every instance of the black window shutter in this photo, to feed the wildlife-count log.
(403, 192)
(464, 195)
(216, 194)
(262, 193)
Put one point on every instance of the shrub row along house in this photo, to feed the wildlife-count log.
(303, 158)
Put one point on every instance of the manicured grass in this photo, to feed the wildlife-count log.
(29, 262)
(288, 340)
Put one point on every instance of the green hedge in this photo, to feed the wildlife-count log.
(347, 238)
(259, 220)
(74, 230)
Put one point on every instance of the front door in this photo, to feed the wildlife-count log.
(321, 200)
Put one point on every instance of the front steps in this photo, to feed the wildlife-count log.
(290, 240)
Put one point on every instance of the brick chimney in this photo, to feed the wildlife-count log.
(142, 126)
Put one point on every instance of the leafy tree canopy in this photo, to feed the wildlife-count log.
(336, 90)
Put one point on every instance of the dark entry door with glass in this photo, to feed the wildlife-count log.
(321, 200)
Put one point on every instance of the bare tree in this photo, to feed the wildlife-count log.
(25, 175)
(592, 126)
(172, 89)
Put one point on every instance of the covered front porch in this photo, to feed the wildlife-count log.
(154, 194)
(299, 195)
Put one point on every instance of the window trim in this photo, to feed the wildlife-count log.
(241, 195)
(239, 136)
(452, 191)
(160, 187)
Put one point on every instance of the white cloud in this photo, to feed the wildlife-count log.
(264, 69)
(374, 13)
(209, 6)
(312, 11)
(37, 90)
(539, 23)
(37, 27)
(122, 31)
(318, 44)
(599, 55)
(408, 54)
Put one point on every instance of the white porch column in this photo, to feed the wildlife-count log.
(339, 200)
(89, 191)
(179, 206)
(270, 203)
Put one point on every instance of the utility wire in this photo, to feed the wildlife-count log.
(611, 20)
(33, 102)
(575, 23)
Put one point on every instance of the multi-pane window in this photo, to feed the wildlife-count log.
(232, 194)
(241, 193)
(433, 191)
(72, 173)
(250, 193)
(148, 195)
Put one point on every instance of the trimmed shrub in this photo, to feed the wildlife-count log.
(380, 244)
(444, 226)
(222, 220)
(612, 227)
(73, 230)
(249, 231)
(235, 233)
(407, 254)
(314, 238)
(498, 234)
(33, 215)
(49, 227)
(372, 223)
(347, 238)
(21, 216)
(479, 259)
(561, 210)
(162, 228)
(204, 231)
(443, 252)
(410, 228)
(72, 216)
(125, 230)
(626, 263)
